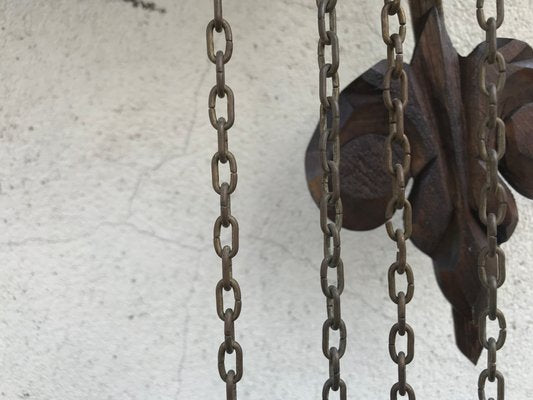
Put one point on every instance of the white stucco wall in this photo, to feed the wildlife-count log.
(107, 272)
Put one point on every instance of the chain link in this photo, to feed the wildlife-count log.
(492, 205)
(399, 171)
(329, 147)
(224, 190)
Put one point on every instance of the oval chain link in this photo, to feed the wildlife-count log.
(329, 147)
(224, 190)
(399, 171)
(492, 205)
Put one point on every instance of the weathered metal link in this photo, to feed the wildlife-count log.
(389, 9)
(410, 343)
(401, 314)
(407, 219)
(328, 4)
(329, 150)
(502, 335)
(401, 254)
(222, 139)
(492, 117)
(480, 13)
(394, 6)
(234, 236)
(484, 255)
(231, 387)
(501, 69)
(323, 86)
(334, 128)
(491, 259)
(219, 297)
(493, 298)
(225, 204)
(328, 324)
(218, 15)
(391, 276)
(333, 306)
(328, 386)
(229, 330)
(221, 74)
(326, 7)
(500, 388)
(406, 157)
(396, 389)
(491, 359)
(499, 126)
(324, 222)
(222, 361)
(404, 87)
(230, 107)
(501, 199)
(332, 253)
(490, 39)
(492, 232)
(227, 271)
(329, 144)
(334, 181)
(396, 126)
(399, 170)
(334, 43)
(224, 189)
(395, 54)
(228, 51)
(402, 383)
(492, 171)
(325, 284)
(334, 368)
(215, 174)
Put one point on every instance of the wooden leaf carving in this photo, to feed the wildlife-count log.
(442, 118)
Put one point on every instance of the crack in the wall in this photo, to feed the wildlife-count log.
(194, 116)
(135, 191)
(142, 175)
(185, 325)
(47, 241)
(307, 261)
(169, 157)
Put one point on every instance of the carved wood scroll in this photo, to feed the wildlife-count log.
(441, 121)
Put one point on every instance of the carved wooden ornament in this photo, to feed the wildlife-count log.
(441, 122)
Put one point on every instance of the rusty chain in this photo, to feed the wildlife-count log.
(399, 171)
(224, 190)
(492, 193)
(329, 147)
(492, 200)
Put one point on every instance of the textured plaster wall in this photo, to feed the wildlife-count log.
(107, 273)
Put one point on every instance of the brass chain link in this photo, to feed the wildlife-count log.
(399, 171)
(493, 197)
(224, 190)
(329, 147)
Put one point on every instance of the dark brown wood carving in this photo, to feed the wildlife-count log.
(441, 121)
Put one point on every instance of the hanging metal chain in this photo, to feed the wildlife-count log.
(329, 146)
(492, 199)
(224, 190)
(399, 170)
